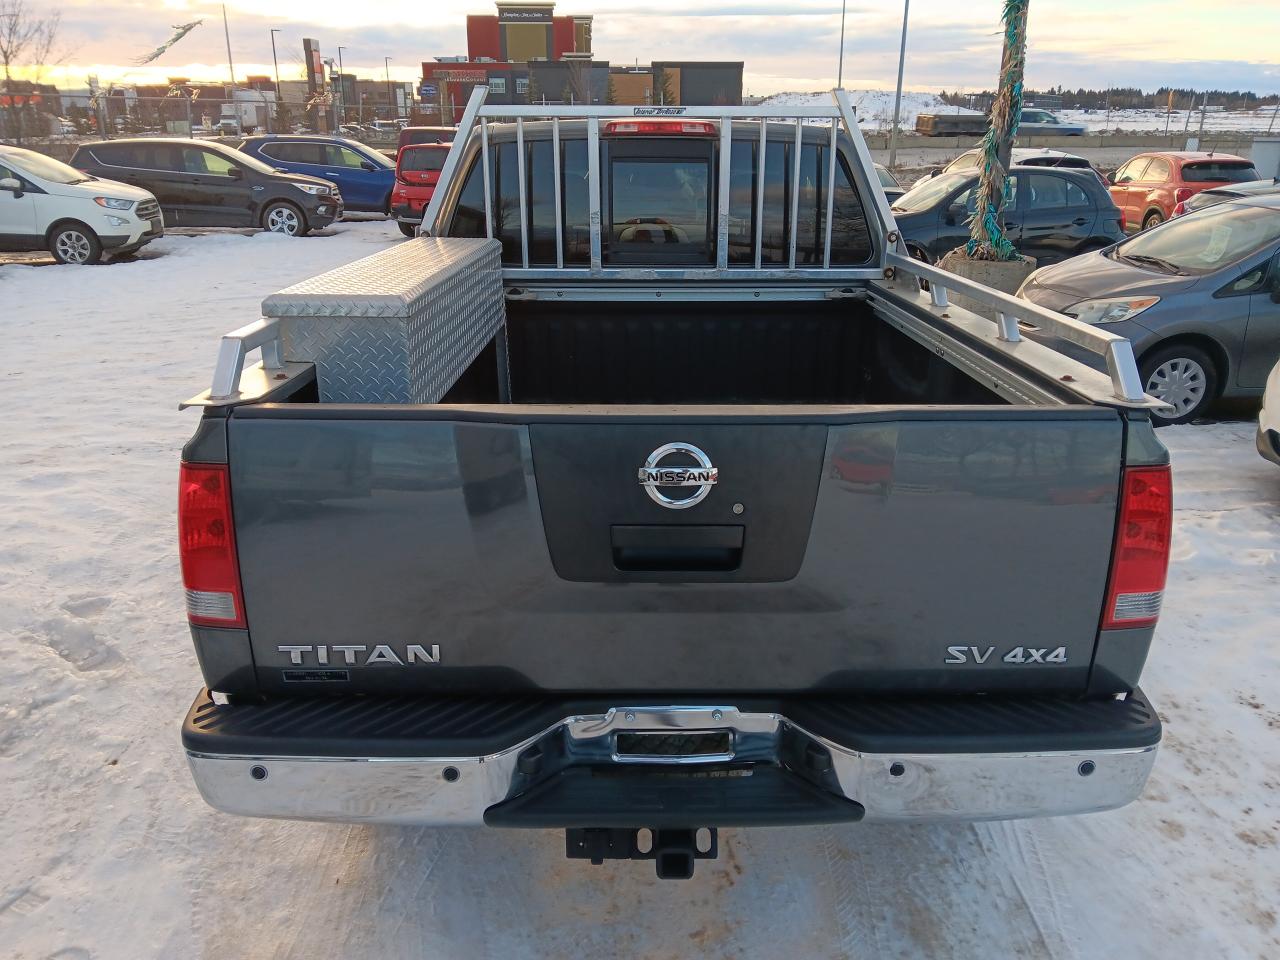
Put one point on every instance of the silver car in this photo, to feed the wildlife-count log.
(1198, 296)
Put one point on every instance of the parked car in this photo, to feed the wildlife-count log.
(521, 574)
(1053, 214)
(1148, 187)
(364, 176)
(413, 135)
(1269, 418)
(1207, 198)
(417, 170)
(1199, 298)
(201, 183)
(47, 205)
(1025, 157)
(1044, 123)
(889, 183)
(384, 128)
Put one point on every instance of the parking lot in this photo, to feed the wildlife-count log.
(122, 859)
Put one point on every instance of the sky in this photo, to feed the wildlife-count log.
(786, 44)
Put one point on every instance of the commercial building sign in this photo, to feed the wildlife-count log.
(525, 14)
(460, 76)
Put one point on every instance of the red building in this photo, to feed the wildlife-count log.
(521, 32)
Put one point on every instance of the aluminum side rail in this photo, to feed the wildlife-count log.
(1115, 351)
(836, 117)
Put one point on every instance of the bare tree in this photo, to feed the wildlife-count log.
(27, 38)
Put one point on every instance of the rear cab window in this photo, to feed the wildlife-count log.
(658, 199)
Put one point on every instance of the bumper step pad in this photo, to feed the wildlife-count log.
(672, 797)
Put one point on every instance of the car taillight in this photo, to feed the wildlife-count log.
(207, 546)
(1180, 208)
(1182, 194)
(1140, 557)
(660, 128)
(1124, 224)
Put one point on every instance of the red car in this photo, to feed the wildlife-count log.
(1148, 187)
(417, 170)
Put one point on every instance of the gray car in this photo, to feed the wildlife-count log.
(1199, 297)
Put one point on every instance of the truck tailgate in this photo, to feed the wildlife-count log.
(408, 548)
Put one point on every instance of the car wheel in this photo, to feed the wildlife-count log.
(1183, 376)
(1152, 219)
(408, 229)
(284, 218)
(75, 243)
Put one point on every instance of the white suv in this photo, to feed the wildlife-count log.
(47, 205)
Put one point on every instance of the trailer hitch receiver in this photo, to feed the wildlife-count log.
(673, 851)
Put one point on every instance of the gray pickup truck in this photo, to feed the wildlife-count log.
(649, 492)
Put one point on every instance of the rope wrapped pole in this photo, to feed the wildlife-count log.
(987, 239)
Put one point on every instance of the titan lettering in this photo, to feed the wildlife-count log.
(381, 653)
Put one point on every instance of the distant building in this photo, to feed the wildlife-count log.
(527, 54)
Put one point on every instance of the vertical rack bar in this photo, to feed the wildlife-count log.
(593, 189)
(488, 184)
(873, 199)
(722, 206)
(759, 181)
(832, 159)
(452, 160)
(520, 172)
(795, 194)
(555, 166)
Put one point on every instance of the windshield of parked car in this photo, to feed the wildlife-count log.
(244, 159)
(1219, 171)
(44, 168)
(929, 193)
(1203, 241)
(886, 178)
(373, 156)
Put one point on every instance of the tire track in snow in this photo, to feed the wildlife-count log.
(1013, 844)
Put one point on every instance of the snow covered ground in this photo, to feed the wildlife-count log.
(876, 109)
(107, 852)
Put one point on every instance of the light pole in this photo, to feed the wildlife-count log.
(897, 97)
(342, 89)
(386, 63)
(275, 62)
(840, 65)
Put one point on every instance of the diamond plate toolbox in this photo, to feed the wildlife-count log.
(397, 327)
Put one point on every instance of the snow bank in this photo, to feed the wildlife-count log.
(109, 853)
(874, 107)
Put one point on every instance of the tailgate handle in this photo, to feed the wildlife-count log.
(655, 548)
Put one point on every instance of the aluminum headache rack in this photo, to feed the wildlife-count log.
(890, 271)
(838, 116)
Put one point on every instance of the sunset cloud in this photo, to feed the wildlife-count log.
(786, 45)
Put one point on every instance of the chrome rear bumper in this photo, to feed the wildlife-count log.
(458, 790)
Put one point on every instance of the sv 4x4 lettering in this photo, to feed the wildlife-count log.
(1016, 655)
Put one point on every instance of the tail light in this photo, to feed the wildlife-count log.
(1180, 208)
(1124, 224)
(207, 546)
(1140, 557)
(1183, 194)
(660, 128)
